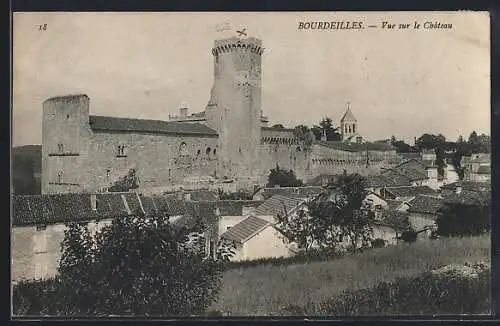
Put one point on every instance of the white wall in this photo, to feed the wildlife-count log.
(268, 243)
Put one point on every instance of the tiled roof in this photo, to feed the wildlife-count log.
(203, 195)
(234, 207)
(388, 179)
(394, 219)
(413, 169)
(409, 156)
(60, 208)
(246, 229)
(355, 147)
(425, 204)
(305, 192)
(468, 185)
(151, 126)
(277, 204)
(483, 169)
(468, 197)
(410, 191)
(396, 177)
(393, 204)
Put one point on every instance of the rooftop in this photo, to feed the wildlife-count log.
(425, 204)
(410, 191)
(246, 229)
(149, 126)
(468, 185)
(388, 179)
(348, 116)
(305, 192)
(278, 204)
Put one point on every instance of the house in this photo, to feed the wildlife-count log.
(376, 183)
(375, 202)
(389, 225)
(423, 212)
(477, 167)
(404, 193)
(39, 222)
(457, 187)
(256, 237)
(303, 192)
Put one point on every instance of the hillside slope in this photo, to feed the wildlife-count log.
(26, 169)
(265, 290)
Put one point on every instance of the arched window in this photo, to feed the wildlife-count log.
(349, 128)
(59, 176)
(346, 128)
(354, 128)
(198, 153)
(215, 151)
(208, 150)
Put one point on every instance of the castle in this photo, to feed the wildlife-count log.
(229, 142)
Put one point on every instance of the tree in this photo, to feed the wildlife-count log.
(401, 146)
(304, 135)
(126, 183)
(138, 265)
(332, 133)
(283, 178)
(342, 214)
(436, 142)
(460, 219)
(297, 228)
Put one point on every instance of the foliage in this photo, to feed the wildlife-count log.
(475, 144)
(342, 213)
(378, 243)
(299, 227)
(326, 127)
(26, 161)
(283, 178)
(409, 236)
(426, 294)
(265, 287)
(305, 136)
(436, 142)
(126, 183)
(135, 266)
(401, 146)
(238, 195)
(464, 220)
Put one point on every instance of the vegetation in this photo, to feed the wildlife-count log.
(135, 266)
(26, 162)
(464, 220)
(270, 288)
(238, 195)
(126, 183)
(283, 178)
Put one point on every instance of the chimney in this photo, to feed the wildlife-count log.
(183, 111)
(458, 189)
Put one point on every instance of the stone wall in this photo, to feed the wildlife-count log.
(160, 160)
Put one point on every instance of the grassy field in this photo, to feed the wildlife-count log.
(267, 290)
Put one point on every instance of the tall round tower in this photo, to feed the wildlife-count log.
(234, 109)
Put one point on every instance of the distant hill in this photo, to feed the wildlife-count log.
(26, 169)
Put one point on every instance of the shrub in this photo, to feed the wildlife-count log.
(283, 178)
(409, 236)
(135, 266)
(378, 243)
(464, 220)
(450, 291)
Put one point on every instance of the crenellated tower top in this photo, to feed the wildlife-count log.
(236, 44)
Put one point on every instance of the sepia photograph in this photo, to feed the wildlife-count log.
(250, 164)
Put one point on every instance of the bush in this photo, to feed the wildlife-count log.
(409, 236)
(464, 220)
(378, 243)
(135, 266)
(450, 292)
(283, 178)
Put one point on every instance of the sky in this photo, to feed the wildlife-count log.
(145, 65)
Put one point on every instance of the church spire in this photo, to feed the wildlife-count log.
(348, 116)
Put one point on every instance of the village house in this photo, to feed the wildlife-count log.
(477, 167)
(304, 192)
(405, 193)
(38, 223)
(423, 211)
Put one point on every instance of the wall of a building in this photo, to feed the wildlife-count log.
(36, 254)
(65, 123)
(266, 244)
(158, 159)
(386, 233)
(420, 221)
